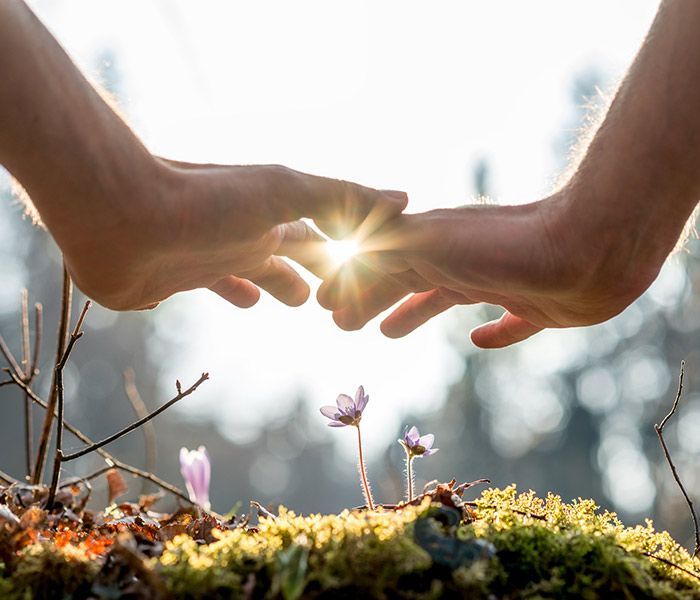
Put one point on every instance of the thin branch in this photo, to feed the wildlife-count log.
(672, 564)
(45, 438)
(8, 382)
(74, 337)
(112, 461)
(9, 357)
(136, 424)
(149, 431)
(8, 479)
(38, 334)
(27, 369)
(74, 430)
(659, 431)
(32, 370)
(25, 332)
(515, 510)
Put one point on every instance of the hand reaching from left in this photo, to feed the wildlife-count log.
(134, 228)
(221, 227)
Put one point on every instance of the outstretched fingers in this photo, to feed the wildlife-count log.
(380, 296)
(419, 309)
(505, 331)
(279, 279)
(237, 291)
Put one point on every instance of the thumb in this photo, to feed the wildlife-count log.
(338, 207)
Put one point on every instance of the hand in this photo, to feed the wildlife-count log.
(545, 268)
(191, 226)
(134, 228)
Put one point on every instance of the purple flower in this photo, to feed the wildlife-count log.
(348, 412)
(416, 444)
(196, 471)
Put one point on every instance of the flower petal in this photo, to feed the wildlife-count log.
(336, 424)
(330, 412)
(361, 399)
(427, 441)
(345, 404)
(184, 457)
(431, 451)
(412, 436)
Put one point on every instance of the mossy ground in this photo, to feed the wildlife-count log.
(538, 548)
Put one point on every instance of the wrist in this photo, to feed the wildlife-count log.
(615, 253)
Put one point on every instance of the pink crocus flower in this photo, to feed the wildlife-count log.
(196, 471)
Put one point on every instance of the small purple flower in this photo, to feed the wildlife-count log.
(196, 471)
(416, 444)
(348, 412)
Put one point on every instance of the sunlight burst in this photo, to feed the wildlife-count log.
(341, 251)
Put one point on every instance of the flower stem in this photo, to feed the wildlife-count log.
(363, 473)
(409, 477)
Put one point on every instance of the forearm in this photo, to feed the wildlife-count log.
(640, 178)
(63, 143)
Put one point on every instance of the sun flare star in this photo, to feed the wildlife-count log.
(341, 251)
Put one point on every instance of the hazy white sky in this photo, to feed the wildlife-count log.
(392, 94)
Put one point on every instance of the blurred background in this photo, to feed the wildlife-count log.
(448, 103)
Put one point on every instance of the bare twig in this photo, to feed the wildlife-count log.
(25, 332)
(111, 461)
(27, 369)
(42, 451)
(8, 479)
(515, 510)
(671, 564)
(149, 431)
(58, 377)
(136, 424)
(8, 382)
(39, 401)
(31, 371)
(9, 357)
(38, 334)
(659, 431)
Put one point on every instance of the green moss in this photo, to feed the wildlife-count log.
(548, 548)
(525, 547)
(544, 549)
(351, 551)
(46, 572)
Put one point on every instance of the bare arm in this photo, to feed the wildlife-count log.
(641, 173)
(135, 229)
(578, 257)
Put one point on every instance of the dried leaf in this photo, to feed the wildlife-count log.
(146, 501)
(34, 518)
(116, 485)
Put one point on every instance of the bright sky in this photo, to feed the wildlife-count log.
(400, 94)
